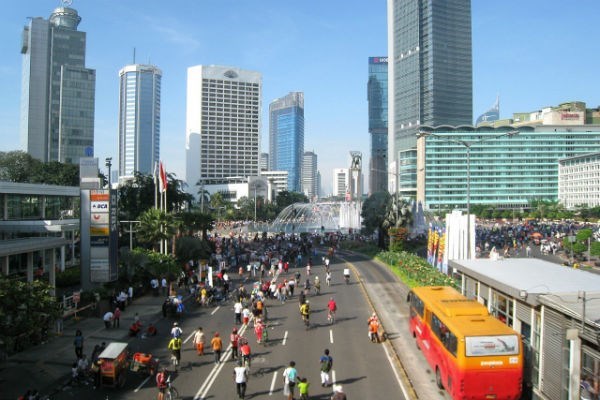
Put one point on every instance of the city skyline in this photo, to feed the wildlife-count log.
(322, 51)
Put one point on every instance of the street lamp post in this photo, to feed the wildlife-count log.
(108, 163)
(467, 145)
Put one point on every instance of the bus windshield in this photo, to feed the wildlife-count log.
(492, 345)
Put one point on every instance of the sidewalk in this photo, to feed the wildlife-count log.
(47, 367)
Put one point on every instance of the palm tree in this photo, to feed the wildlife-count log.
(156, 226)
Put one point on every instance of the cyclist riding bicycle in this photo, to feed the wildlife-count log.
(347, 274)
(246, 353)
(332, 307)
(328, 278)
(317, 285)
(161, 383)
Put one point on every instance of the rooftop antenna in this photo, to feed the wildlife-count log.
(134, 55)
(66, 3)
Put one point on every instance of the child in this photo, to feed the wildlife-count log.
(303, 388)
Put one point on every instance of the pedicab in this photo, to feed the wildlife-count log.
(114, 363)
(144, 363)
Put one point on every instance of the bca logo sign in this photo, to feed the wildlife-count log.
(99, 206)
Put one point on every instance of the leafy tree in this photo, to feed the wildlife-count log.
(191, 248)
(595, 249)
(193, 221)
(217, 201)
(373, 214)
(177, 198)
(136, 196)
(27, 311)
(285, 198)
(18, 166)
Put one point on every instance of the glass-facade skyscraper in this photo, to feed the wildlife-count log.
(310, 180)
(286, 137)
(139, 119)
(430, 76)
(58, 91)
(377, 96)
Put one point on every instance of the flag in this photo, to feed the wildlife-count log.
(162, 177)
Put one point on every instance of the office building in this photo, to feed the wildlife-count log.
(139, 120)
(429, 77)
(491, 115)
(309, 175)
(341, 183)
(579, 181)
(286, 137)
(277, 179)
(57, 99)
(222, 124)
(264, 161)
(503, 172)
(377, 96)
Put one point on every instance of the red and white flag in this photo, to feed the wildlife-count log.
(162, 177)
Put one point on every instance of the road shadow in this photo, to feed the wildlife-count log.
(348, 381)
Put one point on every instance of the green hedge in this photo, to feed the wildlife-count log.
(414, 270)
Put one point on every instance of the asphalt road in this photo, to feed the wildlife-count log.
(362, 368)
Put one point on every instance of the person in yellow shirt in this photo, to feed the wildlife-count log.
(217, 345)
(175, 347)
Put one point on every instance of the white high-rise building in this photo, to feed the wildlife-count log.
(222, 124)
(341, 182)
(310, 184)
(139, 119)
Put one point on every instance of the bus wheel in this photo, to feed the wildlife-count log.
(438, 378)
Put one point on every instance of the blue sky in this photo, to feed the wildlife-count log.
(532, 53)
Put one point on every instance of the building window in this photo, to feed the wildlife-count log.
(590, 372)
(502, 308)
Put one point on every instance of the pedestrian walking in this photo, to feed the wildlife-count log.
(217, 345)
(107, 318)
(237, 310)
(289, 380)
(199, 341)
(240, 377)
(303, 388)
(245, 315)
(78, 343)
(117, 317)
(234, 339)
(163, 285)
(326, 362)
(176, 331)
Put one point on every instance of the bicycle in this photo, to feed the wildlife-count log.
(331, 317)
(171, 393)
(265, 337)
(306, 319)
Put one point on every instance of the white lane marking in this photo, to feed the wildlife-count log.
(189, 337)
(210, 379)
(215, 310)
(273, 383)
(404, 391)
(284, 338)
(332, 379)
(137, 389)
(331, 336)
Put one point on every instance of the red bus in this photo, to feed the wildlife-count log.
(474, 355)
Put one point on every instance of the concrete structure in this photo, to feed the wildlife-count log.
(341, 182)
(377, 96)
(38, 227)
(264, 161)
(279, 179)
(58, 91)
(579, 181)
(139, 119)
(506, 172)
(286, 137)
(552, 307)
(429, 76)
(222, 124)
(310, 182)
(235, 189)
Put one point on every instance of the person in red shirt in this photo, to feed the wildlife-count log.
(332, 308)
(234, 339)
(246, 352)
(161, 383)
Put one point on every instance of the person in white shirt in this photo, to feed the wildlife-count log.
(164, 285)
(176, 331)
(237, 309)
(108, 317)
(240, 376)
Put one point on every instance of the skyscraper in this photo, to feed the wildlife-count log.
(58, 91)
(341, 182)
(286, 137)
(139, 119)
(310, 183)
(491, 115)
(429, 76)
(222, 124)
(264, 161)
(377, 96)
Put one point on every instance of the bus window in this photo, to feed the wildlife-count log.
(417, 305)
(447, 338)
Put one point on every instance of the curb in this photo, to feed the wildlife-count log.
(412, 395)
